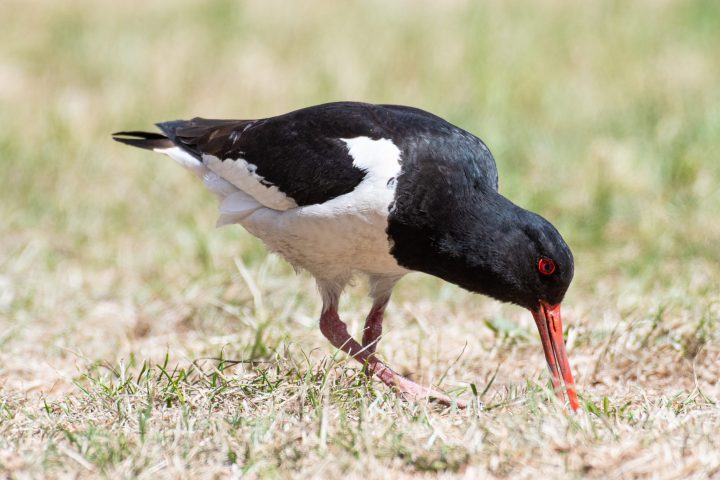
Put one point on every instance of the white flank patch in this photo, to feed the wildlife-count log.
(242, 174)
(379, 158)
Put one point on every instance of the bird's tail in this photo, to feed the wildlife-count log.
(146, 140)
(235, 204)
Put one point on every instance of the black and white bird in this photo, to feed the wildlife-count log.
(349, 188)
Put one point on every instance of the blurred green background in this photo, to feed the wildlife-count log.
(603, 116)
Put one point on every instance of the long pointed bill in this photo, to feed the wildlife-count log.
(549, 324)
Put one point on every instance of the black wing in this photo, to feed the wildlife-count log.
(303, 155)
(301, 152)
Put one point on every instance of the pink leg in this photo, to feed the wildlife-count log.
(336, 331)
(373, 327)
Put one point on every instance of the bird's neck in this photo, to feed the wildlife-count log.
(461, 245)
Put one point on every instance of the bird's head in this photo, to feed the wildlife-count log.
(532, 266)
(530, 261)
(491, 246)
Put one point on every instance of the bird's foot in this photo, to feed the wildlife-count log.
(415, 392)
(409, 389)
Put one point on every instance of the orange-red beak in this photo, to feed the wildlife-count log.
(549, 324)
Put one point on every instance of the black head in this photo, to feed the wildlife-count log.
(534, 267)
(487, 244)
(529, 261)
(492, 247)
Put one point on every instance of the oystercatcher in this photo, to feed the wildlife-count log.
(382, 190)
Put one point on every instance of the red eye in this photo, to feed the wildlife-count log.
(546, 266)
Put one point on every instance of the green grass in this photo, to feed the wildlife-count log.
(138, 341)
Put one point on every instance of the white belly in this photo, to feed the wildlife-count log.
(333, 239)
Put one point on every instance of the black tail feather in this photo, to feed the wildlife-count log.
(147, 140)
(168, 128)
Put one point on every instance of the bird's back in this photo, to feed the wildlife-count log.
(329, 176)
